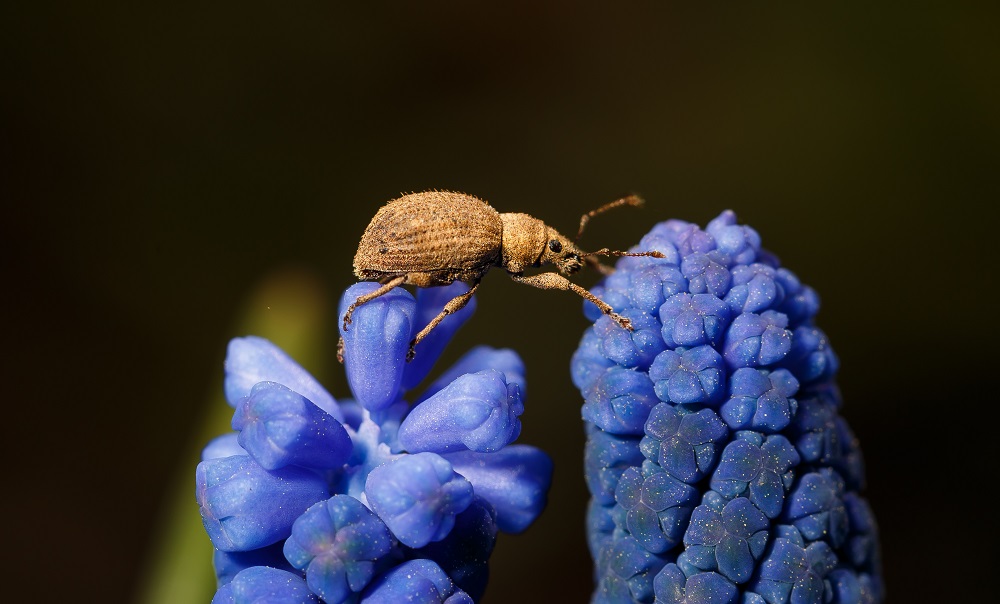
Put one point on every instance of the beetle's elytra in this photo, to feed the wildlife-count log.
(439, 237)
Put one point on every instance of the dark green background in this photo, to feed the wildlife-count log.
(160, 161)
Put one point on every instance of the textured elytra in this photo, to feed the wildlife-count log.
(452, 236)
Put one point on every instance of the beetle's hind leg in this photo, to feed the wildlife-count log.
(557, 281)
(453, 306)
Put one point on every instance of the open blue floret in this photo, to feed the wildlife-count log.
(395, 494)
(719, 466)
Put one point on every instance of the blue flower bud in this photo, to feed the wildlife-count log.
(605, 457)
(760, 400)
(793, 573)
(464, 553)
(338, 543)
(635, 348)
(759, 468)
(655, 507)
(693, 319)
(588, 362)
(695, 375)
(228, 564)
(755, 289)
(684, 443)
(376, 343)
(418, 497)
(244, 507)
(259, 584)
(514, 480)
(225, 445)
(620, 401)
(816, 507)
(279, 427)
(626, 571)
(478, 412)
(416, 582)
(251, 360)
(756, 340)
(705, 275)
(726, 536)
(673, 587)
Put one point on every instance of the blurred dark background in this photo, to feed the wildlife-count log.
(161, 162)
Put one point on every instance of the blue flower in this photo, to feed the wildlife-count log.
(720, 470)
(395, 494)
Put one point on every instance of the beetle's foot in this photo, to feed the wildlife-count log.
(625, 323)
(411, 352)
(340, 350)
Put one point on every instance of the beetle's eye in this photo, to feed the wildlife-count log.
(555, 246)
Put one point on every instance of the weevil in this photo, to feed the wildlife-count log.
(435, 238)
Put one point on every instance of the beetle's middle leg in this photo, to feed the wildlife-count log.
(453, 306)
(557, 281)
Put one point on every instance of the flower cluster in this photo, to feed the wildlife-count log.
(370, 499)
(719, 468)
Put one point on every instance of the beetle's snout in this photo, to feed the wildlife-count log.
(570, 263)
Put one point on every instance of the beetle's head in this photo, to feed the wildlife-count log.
(562, 253)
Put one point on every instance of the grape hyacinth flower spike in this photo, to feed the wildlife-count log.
(719, 467)
(384, 497)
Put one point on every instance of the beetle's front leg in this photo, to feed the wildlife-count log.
(386, 288)
(453, 306)
(557, 281)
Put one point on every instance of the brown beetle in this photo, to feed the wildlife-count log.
(439, 237)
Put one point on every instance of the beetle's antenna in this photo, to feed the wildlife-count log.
(590, 258)
(631, 200)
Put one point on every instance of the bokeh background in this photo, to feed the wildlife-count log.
(176, 174)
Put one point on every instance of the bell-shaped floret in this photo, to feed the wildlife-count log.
(760, 400)
(620, 401)
(515, 481)
(464, 554)
(244, 507)
(756, 340)
(725, 536)
(279, 427)
(252, 360)
(794, 573)
(259, 584)
(228, 564)
(685, 444)
(338, 543)
(654, 507)
(418, 497)
(477, 412)
(376, 342)
(417, 581)
(605, 457)
(635, 348)
(673, 587)
(758, 468)
(693, 320)
(696, 375)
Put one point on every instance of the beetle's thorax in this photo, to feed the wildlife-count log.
(527, 242)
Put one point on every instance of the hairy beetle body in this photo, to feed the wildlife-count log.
(439, 237)
(432, 238)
